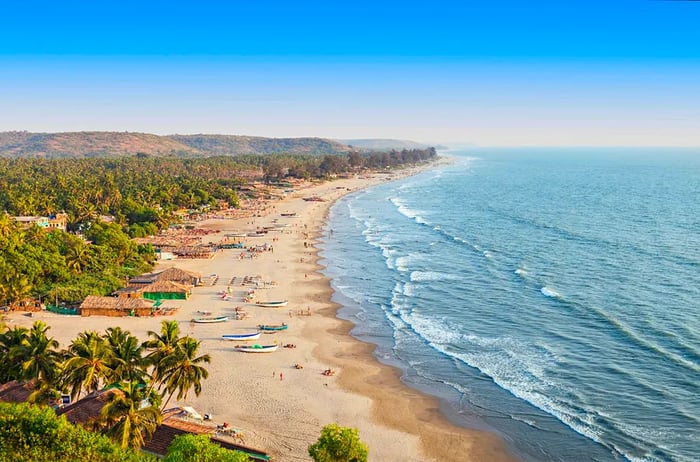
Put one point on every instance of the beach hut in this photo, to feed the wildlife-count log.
(178, 422)
(116, 306)
(166, 290)
(173, 274)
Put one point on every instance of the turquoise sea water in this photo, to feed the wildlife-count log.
(551, 296)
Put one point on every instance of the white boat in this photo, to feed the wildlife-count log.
(211, 320)
(242, 337)
(256, 348)
(275, 304)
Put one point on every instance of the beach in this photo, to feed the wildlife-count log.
(276, 406)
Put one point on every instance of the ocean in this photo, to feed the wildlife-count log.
(551, 296)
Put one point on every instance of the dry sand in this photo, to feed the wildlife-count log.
(279, 408)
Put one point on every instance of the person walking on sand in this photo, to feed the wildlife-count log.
(280, 376)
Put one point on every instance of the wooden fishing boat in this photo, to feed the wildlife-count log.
(210, 319)
(242, 337)
(272, 327)
(292, 214)
(256, 348)
(272, 304)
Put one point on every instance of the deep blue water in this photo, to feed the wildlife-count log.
(551, 296)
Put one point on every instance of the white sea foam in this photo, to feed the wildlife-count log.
(404, 210)
(402, 263)
(548, 292)
(521, 272)
(422, 276)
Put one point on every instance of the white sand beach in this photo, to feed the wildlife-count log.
(278, 407)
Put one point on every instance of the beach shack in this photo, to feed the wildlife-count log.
(94, 305)
(173, 274)
(176, 422)
(166, 290)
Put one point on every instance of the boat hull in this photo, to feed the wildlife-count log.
(272, 304)
(241, 337)
(210, 320)
(257, 349)
(272, 329)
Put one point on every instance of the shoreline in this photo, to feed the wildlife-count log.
(279, 408)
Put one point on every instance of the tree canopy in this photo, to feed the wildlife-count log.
(339, 444)
(31, 433)
(199, 448)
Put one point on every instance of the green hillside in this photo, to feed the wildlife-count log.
(226, 145)
(111, 144)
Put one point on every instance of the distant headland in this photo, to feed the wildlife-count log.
(111, 144)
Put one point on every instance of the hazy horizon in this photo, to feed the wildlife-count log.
(536, 74)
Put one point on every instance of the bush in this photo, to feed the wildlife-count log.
(338, 444)
(199, 448)
(31, 433)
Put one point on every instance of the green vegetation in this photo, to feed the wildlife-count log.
(55, 265)
(142, 193)
(115, 359)
(338, 444)
(227, 145)
(199, 448)
(31, 433)
(114, 144)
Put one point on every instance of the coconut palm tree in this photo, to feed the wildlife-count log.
(131, 415)
(41, 363)
(162, 346)
(127, 362)
(78, 257)
(183, 370)
(11, 367)
(87, 366)
(39, 355)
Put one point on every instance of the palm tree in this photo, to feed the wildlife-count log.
(40, 362)
(40, 359)
(162, 346)
(11, 367)
(131, 415)
(183, 370)
(87, 366)
(127, 361)
(78, 257)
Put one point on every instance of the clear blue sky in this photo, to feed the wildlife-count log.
(564, 72)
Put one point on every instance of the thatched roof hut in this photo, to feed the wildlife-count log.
(166, 290)
(172, 274)
(116, 306)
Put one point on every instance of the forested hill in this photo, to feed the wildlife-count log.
(379, 144)
(224, 145)
(109, 144)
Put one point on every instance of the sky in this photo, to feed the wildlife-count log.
(489, 72)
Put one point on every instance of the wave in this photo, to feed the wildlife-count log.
(597, 242)
(409, 213)
(548, 292)
(423, 276)
(614, 323)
